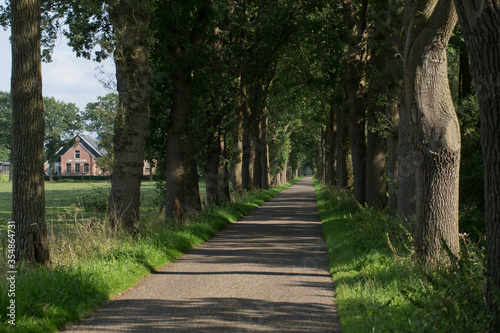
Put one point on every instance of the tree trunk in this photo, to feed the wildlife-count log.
(28, 126)
(131, 26)
(179, 113)
(356, 90)
(212, 168)
(407, 195)
(240, 101)
(248, 149)
(434, 127)
(192, 200)
(174, 170)
(480, 22)
(332, 147)
(319, 162)
(223, 179)
(266, 177)
(343, 145)
(259, 147)
(395, 94)
(283, 175)
(376, 146)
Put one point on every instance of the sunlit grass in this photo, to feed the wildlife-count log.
(381, 288)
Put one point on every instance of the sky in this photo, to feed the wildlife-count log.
(67, 78)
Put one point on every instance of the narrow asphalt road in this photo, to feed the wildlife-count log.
(265, 273)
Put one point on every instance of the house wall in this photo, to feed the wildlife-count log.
(85, 157)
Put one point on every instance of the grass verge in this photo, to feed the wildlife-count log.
(381, 288)
(93, 264)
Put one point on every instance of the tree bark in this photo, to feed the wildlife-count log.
(174, 170)
(212, 168)
(342, 144)
(356, 90)
(376, 146)
(192, 199)
(480, 21)
(240, 101)
(395, 94)
(332, 147)
(224, 194)
(179, 114)
(266, 177)
(407, 195)
(28, 126)
(248, 149)
(131, 26)
(259, 147)
(434, 127)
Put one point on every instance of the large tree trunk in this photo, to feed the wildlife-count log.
(332, 148)
(395, 94)
(480, 21)
(343, 145)
(179, 114)
(240, 101)
(266, 177)
(212, 168)
(248, 149)
(28, 126)
(192, 200)
(259, 147)
(407, 195)
(376, 146)
(131, 26)
(174, 170)
(434, 127)
(356, 90)
(223, 180)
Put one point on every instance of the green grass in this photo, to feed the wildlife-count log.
(380, 288)
(93, 263)
(66, 200)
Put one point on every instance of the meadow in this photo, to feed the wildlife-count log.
(69, 201)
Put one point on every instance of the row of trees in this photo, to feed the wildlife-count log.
(253, 88)
(402, 122)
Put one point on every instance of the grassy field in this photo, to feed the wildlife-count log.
(67, 201)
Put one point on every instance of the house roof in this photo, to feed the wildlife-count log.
(89, 144)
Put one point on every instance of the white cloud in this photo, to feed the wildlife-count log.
(67, 78)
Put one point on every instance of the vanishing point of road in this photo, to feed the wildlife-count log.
(267, 272)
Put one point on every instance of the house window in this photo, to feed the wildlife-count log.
(77, 154)
(85, 168)
(77, 167)
(68, 167)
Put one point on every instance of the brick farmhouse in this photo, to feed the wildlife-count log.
(81, 159)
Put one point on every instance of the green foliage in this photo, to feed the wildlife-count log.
(62, 121)
(453, 298)
(471, 170)
(5, 125)
(97, 201)
(100, 117)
